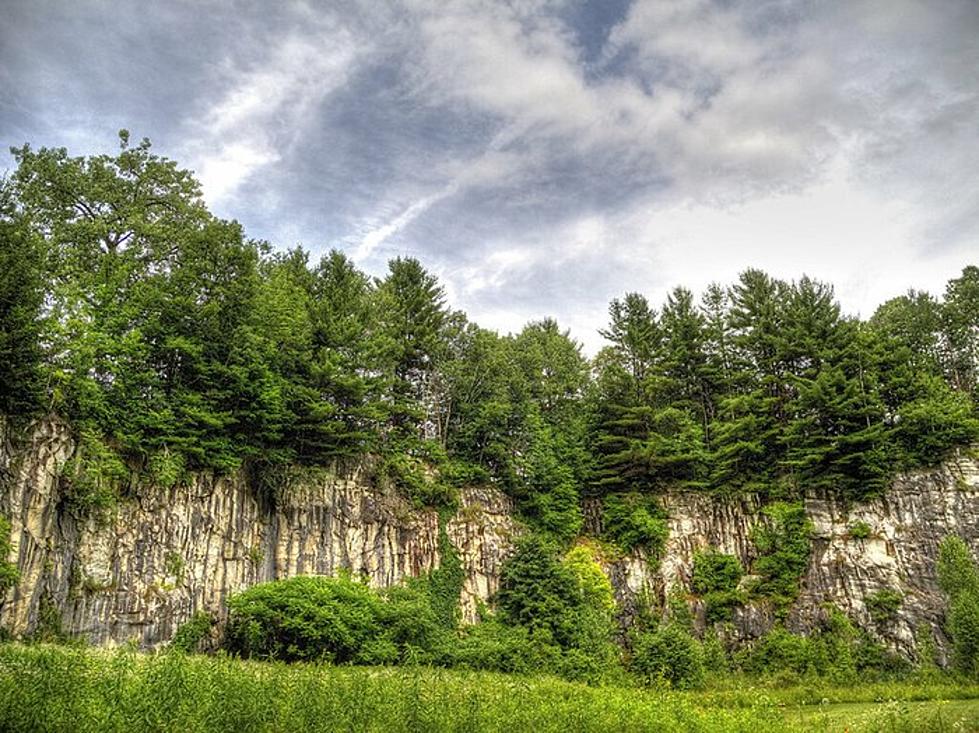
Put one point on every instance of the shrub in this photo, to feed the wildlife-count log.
(837, 650)
(779, 651)
(304, 618)
(783, 553)
(457, 472)
(338, 620)
(495, 646)
(536, 590)
(715, 577)
(593, 584)
(634, 521)
(413, 629)
(959, 579)
(859, 531)
(669, 654)
(414, 478)
(883, 605)
(167, 468)
(192, 632)
(91, 480)
(956, 568)
(560, 604)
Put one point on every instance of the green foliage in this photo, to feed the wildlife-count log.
(333, 619)
(165, 335)
(668, 655)
(715, 577)
(49, 626)
(958, 577)
(415, 478)
(934, 423)
(836, 651)
(783, 553)
(634, 521)
(883, 605)
(167, 469)
(860, 530)
(444, 584)
(94, 476)
(593, 584)
(21, 296)
(174, 565)
(538, 591)
(192, 633)
(9, 574)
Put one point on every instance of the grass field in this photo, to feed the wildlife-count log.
(52, 688)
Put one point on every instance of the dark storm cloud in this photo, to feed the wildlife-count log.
(542, 155)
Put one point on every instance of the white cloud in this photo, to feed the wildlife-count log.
(266, 108)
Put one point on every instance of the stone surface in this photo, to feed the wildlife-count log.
(163, 554)
(907, 525)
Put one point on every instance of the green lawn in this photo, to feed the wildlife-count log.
(52, 688)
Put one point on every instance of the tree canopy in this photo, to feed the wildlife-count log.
(164, 333)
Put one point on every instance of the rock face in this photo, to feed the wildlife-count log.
(163, 554)
(906, 526)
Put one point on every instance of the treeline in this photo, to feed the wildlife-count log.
(173, 342)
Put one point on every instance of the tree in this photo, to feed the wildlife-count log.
(410, 306)
(21, 295)
(484, 418)
(538, 591)
(339, 406)
(960, 325)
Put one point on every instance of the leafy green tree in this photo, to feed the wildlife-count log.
(338, 402)
(745, 443)
(21, 296)
(411, 305)
(913, 322)
(593, 583)
(554, 373)
(686, 363)
(546, 489)
(960, 326)
(938, 420)
(634, 521)
(484, 415)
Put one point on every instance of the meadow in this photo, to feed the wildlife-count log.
(77, 689)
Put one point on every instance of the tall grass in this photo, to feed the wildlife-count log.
(71, 689)
(50, 688)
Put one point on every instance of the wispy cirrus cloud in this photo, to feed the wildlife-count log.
(267, 107)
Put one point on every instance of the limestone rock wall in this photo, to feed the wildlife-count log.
(163, 554)
(906, 525)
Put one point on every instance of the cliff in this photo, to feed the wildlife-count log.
(138, 572)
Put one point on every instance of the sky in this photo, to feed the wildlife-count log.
(541, 156)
